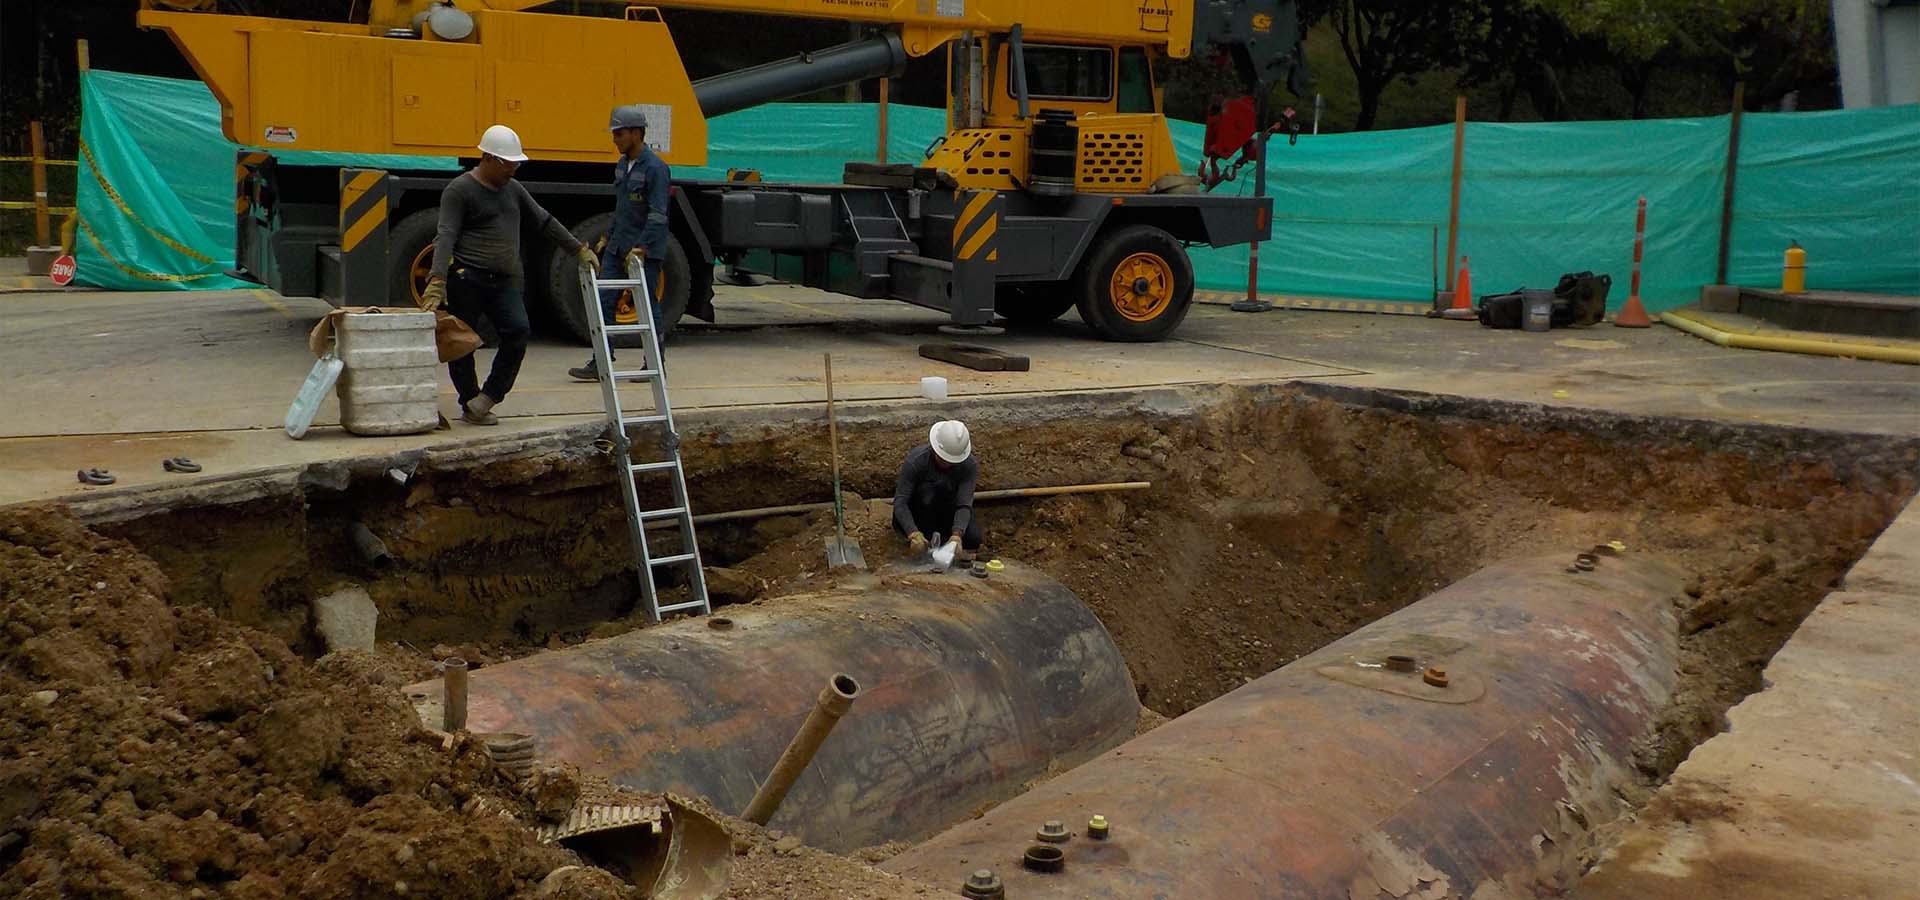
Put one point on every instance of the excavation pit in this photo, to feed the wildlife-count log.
(1278, 521)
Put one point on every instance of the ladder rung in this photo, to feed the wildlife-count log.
(626, 329)
(676, 607)
(617, 282)
(671, 560)
(662, 513)
(635, 374)
(653, 466)
(642, 420)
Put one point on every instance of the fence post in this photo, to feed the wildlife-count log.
(1733, 165)
(1453, 205)
(882, 155)
(41, 229)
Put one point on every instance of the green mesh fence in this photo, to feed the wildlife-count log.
(1355, 215)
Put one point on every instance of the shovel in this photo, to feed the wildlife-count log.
(842, 551)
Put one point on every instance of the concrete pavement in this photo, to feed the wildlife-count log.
(123, 381)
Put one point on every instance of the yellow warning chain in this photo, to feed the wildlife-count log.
(50, 162)
(150, 276)
(29, 204)
(114, 195)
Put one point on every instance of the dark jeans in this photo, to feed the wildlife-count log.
(504, 304)
(936, 518)
(614, 265)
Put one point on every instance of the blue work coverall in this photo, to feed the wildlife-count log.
(640, 190)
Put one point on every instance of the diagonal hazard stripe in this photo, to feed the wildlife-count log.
(363, 226)
(980, 237)
(972, 211)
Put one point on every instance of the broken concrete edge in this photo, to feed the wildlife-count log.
(1800, 800)
(1852, 454)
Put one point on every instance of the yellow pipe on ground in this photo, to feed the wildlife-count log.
(1685, 321)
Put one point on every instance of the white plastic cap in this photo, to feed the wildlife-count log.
(502, 142)
(950, 441)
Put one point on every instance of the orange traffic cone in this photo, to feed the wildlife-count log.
(1634, 314)
(1462, 309)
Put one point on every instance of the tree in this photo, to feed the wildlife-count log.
(1387, 40)
(1787, 40)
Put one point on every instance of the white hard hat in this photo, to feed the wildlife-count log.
(950, 441)
(501, 141)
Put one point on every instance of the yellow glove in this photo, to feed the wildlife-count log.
(916, 544)
(636, 258)
(588, 258)
(600, 244)
(435, 296)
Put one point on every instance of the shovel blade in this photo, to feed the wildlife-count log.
(843, 552)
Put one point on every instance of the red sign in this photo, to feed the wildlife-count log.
(62, 271)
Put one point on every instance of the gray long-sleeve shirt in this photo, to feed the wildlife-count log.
(922, 483)
(480, 226)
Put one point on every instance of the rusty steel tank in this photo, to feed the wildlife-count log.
(1462, 747)
(969, 688)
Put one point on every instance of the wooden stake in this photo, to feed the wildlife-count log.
(86, 62)
(42, 232)
(1733, 166)
(1453, 205)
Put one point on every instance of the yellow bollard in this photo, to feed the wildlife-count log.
(1793, 275)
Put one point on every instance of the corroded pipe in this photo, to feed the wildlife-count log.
(972, 689)
(1338, 777)
(834, 701)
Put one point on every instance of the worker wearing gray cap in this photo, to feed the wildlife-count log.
(639, 228)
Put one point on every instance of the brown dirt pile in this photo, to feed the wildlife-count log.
(156, 751)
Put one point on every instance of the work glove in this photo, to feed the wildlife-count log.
(916, 544)
(589, 259)
(434, 297)
(636, 258)
(600, 244)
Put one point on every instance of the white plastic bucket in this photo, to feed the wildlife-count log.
(933, 387)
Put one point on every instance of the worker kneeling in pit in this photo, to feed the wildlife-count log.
(934, 494)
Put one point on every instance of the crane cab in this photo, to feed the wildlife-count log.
(1095, 108)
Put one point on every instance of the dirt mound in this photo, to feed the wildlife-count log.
(157, 751)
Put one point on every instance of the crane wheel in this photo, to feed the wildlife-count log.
(1136, 285)
(563, 283)
(1032, 304)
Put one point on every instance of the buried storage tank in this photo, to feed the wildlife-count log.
(1477, 771)
(969, 689)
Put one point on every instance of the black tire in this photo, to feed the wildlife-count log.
(1161, 287)
(410, 255)
(563, 283)
(1032, 304)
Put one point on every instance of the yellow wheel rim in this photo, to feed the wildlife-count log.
(417, 273)
(1141, 287)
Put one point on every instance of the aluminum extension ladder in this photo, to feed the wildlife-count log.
(653, 372)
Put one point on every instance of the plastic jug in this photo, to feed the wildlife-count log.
(313, 392)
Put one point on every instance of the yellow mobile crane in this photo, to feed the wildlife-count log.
(1056, 184)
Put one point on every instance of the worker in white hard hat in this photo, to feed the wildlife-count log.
(476, 266)
(637, 236)
(933, 497)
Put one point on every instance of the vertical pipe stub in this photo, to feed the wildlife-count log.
(454, 700)
(834, 701)
(1053, 832)
(983, 885)
(1044, 858)
(1098, 829)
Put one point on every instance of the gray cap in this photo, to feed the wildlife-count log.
(630, 116)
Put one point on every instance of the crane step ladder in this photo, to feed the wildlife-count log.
(653, 372)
